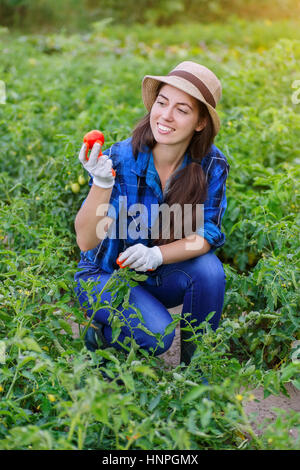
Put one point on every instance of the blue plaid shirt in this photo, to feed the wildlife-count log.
(137, 181)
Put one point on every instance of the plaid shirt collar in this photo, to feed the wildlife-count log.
(145, 162)
(145, 168)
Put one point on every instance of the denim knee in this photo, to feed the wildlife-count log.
(208, 267)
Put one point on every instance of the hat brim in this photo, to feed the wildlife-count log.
(149, 88)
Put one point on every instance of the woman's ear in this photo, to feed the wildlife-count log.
(201, 125)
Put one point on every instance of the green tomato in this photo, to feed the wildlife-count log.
(81, 179)
(75, 187)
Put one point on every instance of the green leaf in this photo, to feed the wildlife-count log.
(195, 393)
(31, 344)
(154, 402)
(145, 370)
(296, 383)
(66, 326)
(25, 360)
(115, 333)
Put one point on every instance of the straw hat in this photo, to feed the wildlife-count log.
(195, 79)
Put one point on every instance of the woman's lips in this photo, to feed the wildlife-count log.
(164, 129)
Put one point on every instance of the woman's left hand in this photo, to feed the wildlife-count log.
(141, 258)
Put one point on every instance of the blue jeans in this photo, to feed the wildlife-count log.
(198, 284)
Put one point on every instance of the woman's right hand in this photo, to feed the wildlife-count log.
(99, 168)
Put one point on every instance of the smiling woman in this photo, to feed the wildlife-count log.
(170, 160)
(175, 115)
(191, 128)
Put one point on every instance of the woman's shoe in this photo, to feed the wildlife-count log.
(187, 348)
(94, 338)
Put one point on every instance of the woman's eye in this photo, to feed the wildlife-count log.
(182, 111)
(160, 102)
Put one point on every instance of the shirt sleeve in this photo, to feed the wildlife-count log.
(216, 203)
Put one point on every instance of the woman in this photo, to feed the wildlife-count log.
(169, 161)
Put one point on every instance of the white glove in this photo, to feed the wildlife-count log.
(141, 258)
(100, 168)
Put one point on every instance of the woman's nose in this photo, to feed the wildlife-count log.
(167, 114)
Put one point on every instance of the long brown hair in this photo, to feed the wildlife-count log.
(187, 186)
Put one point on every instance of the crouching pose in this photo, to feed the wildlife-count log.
(169, 161)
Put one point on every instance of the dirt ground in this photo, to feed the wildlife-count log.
(259, 409)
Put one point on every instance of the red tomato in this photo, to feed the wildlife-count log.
(90, 139)
(122, 267)
(120, 262)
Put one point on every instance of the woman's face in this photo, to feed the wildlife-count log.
(174, 117)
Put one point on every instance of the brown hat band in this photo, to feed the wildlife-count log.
(197, 83)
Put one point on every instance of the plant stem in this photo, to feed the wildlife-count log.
(14, 379)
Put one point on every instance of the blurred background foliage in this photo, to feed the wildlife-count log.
(71, 15)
